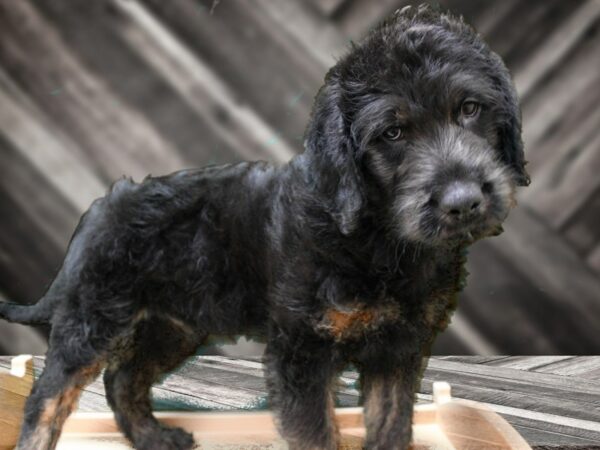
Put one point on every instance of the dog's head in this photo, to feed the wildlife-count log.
(419, 122)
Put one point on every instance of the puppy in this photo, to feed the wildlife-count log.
(353, 252)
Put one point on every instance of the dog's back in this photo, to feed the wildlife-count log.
(174, 245)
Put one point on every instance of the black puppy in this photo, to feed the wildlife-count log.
(351, 253)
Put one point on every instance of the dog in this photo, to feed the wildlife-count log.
(352, 252)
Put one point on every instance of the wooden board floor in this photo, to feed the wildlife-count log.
(550, 400)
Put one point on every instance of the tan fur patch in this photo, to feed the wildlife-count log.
(342, 321)
(56, 410)
(373, 403)
(49, 411)
(353, 323)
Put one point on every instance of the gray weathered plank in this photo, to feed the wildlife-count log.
(593, 258)
(517, 394)
(556, 46)
(546, 409)
(528, 362)
(119, 138)
(527, 243)
(237, 39)
(101, 32)
(576, 77)
(471, 359)
(583, 387)
(576, 366)
(243, 130)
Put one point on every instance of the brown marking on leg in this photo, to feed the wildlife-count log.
(55, 410)
(388, 407)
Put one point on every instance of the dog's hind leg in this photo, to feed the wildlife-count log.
(157, 346)
(53, 398)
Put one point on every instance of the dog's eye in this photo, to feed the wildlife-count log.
(469, 108)
(393, 133)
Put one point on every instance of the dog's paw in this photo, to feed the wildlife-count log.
(171, 439)
(177, 439)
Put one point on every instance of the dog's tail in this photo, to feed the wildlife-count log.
(37, 314)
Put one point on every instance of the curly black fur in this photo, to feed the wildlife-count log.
(341, 256)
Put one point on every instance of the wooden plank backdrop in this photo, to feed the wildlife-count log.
(92, 91)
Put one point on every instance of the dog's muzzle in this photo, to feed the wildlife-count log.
(461, 201)
(454, 189)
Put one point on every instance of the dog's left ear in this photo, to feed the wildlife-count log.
(332, 153)
(512, 146)
(509, 131)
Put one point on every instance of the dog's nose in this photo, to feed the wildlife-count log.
(461, 199)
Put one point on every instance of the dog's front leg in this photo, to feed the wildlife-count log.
(388, 403)
(300, 374)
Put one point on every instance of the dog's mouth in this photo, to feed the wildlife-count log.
(469, 233)
(440, 228)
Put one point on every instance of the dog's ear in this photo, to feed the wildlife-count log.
(509, 130)
(332, 154)
(511, 143)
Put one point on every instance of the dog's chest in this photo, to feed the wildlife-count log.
(353, 323)
(360, 319)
